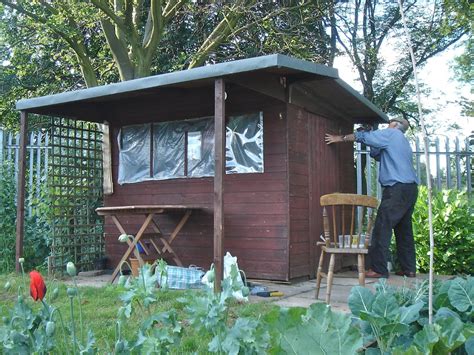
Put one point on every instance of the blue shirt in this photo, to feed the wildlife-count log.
(392, 149)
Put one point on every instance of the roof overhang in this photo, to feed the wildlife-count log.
(323, 90)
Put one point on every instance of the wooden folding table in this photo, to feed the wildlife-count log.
(149, 211)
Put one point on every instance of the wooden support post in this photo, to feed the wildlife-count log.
(219, 154)
(20, 202)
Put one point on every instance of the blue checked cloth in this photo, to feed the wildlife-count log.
(184, 277)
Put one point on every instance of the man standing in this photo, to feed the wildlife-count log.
(400, 190)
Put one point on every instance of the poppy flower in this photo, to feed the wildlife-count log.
(37, 286)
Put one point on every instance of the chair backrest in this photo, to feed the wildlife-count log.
(348, 219)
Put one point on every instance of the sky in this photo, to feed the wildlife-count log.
(438, 75)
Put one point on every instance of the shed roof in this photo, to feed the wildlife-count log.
(318, 82)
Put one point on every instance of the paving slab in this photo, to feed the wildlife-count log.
(298, 294)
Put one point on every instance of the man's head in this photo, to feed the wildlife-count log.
(400, 123)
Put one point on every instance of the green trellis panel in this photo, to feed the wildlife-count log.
(76, 191)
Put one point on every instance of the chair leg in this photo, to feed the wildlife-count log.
(361, 268)
(330, 276)
(318, 273)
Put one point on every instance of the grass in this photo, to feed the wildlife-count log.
(100, 306)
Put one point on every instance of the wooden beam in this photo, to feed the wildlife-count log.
(219, 155)
(264, 83)
(20, 203)
(316, 102)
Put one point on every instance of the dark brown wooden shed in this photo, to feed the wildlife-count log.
(270, 215)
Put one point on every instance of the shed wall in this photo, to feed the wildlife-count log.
(256, 205)
(314, 169)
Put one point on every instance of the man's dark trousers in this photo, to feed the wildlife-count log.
(394, 213)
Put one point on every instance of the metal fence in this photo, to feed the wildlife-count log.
(63, 165)
(38, 158)
(451, 165)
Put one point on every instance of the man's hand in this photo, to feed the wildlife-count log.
(332, 138)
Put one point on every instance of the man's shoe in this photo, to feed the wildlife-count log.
(374, 275)
(405, 273)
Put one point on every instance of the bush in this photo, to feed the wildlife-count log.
(7, 217)
(453, 228)
(37, 226)
(396, 321)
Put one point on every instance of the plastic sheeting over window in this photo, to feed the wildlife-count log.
(134, 156)
(177, 149)
(244, 144)
(183, 149)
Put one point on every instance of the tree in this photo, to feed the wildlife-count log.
(74, 44)
(365, 28)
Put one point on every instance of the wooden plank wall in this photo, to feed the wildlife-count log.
(256, 205)
(298, 190)
(314, 170)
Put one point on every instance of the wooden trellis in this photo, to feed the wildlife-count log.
(76, 191)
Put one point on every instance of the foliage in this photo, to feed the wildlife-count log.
(7, 217)
(25, 331)
(209, 314)
(200, 322)
(453, 227)
(140, 291)
(396, 321)
(37, 226)
(365, 28)
(296, 330)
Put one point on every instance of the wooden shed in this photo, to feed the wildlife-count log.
(265, 210)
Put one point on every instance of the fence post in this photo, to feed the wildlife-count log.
(2, 134)
(438, 170)
(458, 164)
(379, 187)
(359, 168)
(30, 189)
(10, 146)
(418, 163)
(38, 164)
(46, 154)
(368, 171)
(468, 167)
(448, 165)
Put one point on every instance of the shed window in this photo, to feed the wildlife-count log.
(180, 149)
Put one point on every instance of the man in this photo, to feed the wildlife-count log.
(400, 190)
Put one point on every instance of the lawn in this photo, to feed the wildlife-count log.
(100, 308)
(140, 318)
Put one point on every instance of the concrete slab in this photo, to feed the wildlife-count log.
(299, 294)
(91, 273)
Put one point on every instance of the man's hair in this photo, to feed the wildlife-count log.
(402, 124)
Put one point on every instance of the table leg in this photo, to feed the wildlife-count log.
(129, 242)
(171, 251)
(132, 247)
(167, 242)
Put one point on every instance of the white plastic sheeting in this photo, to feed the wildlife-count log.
(180, 149)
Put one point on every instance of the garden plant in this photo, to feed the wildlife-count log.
(389, 321)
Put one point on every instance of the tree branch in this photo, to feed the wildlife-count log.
(75, 44)
(119, 51)
(105, 8)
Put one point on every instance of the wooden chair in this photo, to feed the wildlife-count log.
(347, 223)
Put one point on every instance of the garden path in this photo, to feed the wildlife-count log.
(297, 294)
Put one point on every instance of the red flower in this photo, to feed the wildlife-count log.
(37, 286)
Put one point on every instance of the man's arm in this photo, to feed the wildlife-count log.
(333, 138)
(375, 153)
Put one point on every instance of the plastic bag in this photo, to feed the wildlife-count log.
(182, 278)
(230, 262)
